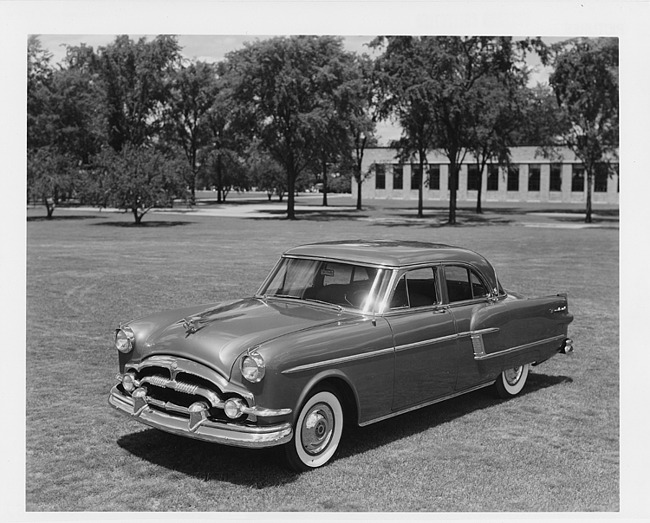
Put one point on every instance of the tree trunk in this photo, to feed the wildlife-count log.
(219, 187)
(49, 207)
(291, 195)
(452, 192)
(479, 209)
(324, 183)
(589, 183)
(421, 187)
(359, 182)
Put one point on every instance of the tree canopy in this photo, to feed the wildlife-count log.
(585, 82)
(308, 108)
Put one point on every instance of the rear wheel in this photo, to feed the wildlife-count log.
(317, 432)
(511, 381)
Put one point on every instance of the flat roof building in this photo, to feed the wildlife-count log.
(530, 177)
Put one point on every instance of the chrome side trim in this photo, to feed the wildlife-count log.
(486, 356)
(442, 339)
(336, 361)
(477, 340)
(422, 343)
(380, 352)
(426, 404)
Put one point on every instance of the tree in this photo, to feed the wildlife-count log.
(497, 112)
(543, 122)
(585, 82)
(39, 79)
(137, 179)
(136, 82)
(409, 94)
(49, 175)
(436, 102)
(359, 97)
(76, 105)
(265, 173)
(279, 86)
(192, 92)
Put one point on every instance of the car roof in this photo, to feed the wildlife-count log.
(388, 253)
(395, 254)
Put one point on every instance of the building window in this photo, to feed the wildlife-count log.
(513, 178)
(380, 176)
(555, 184)
(534, 175)
(449, 178)
(600, 178)
(473, 177)
(493, 177)
(415, 177)
(398, 176)
(434, 178)
(578, 179)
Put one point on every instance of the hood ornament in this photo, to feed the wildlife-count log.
(190, 325)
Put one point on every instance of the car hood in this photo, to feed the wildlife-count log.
(219, 333)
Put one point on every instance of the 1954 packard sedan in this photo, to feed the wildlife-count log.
(354, 331)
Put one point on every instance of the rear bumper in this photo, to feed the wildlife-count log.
(199, 427)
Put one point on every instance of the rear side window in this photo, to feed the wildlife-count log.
(463, 284)
(416, 288)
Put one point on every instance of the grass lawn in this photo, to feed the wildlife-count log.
(554, 448)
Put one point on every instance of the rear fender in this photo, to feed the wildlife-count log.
(515, 332)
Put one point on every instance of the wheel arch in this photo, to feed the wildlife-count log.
(339, 383)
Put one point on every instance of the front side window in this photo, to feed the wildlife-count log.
(416, 288)
(345, 284)
(463, 284)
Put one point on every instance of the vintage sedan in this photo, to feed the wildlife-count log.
(348, 331)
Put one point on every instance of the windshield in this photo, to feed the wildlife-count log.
(343, 284)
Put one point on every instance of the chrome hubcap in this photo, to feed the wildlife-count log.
(317, 428)
(513, 375)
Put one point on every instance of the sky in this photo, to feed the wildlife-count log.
(213, 48)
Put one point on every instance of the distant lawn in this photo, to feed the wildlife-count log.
(554, 448)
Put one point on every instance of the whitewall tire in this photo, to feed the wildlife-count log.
(511, 381)
(317, 432)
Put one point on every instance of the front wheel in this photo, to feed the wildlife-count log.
(511, 381)
(317, 432)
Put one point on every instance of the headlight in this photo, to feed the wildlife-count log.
(253, 367)
(124, 339)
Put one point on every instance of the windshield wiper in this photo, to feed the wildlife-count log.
(327, 303)
(291, 297)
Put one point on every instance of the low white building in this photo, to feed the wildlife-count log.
(530, 178)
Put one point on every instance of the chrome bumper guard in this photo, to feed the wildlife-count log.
(198, 426)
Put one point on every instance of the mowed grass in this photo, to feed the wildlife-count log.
(554, 448)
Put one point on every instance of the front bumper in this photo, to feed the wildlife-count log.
(199, 427)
